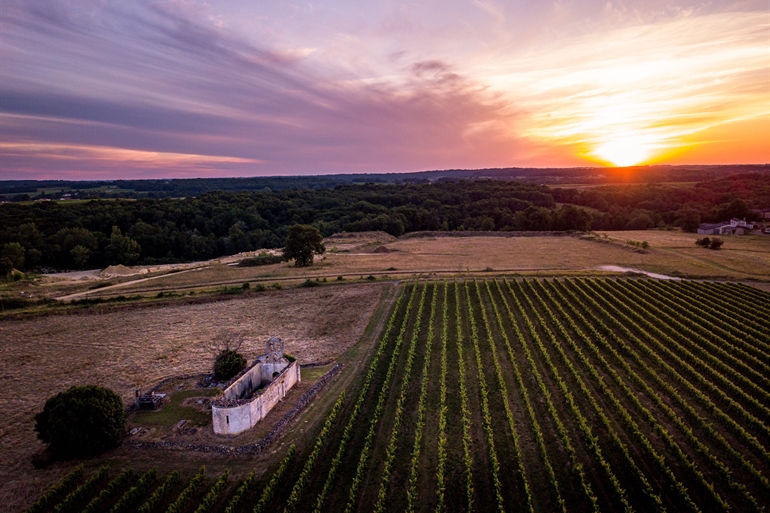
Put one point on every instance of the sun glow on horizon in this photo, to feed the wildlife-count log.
(626, 151)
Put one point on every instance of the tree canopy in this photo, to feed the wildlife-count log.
(90, 234)
(302, 243)
(82, 421)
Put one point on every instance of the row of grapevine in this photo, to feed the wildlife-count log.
(740, 290)
(56, 491)
(110, 491)
(186, 495)
(654, 423)
(134, 494)
(740, 374)
(369, 440)
(486, 415)
(442, 408)
(528, 404)
(560, 429)
(618, 444)
(320, 441)
(670, 347)
(213, 494)
(503, 389)
(745, 291)
(740, 348)
(82, 491)
(622, 323)
(668, 411)
(171, 480)
(723, 301)
(591, 439)
(390, 452)
(623, 413)
(464, 410)
(647, 330)
(412, 492)
(751, 335)
(240, 492)
(718, 350)
(351, 424)
(275, 480)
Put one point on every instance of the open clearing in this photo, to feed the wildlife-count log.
(671, 253)
(140, 347)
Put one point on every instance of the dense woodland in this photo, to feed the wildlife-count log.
(97, 233)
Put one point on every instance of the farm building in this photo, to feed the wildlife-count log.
(734, 227)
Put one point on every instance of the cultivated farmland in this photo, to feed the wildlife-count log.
(533, 395)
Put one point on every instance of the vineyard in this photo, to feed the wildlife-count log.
(519, 395)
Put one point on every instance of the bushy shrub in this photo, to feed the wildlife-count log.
(83, 421)
(704, 242)
(228, 364)
(261, 260)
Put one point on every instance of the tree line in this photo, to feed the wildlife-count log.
(97, 233)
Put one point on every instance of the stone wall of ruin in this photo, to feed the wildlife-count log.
(243, 415)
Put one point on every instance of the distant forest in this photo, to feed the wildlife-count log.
(97, 233)
(25, 190)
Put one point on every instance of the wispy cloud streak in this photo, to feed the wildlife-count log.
(185, 88)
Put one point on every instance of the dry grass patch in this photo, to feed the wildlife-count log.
(138, 348)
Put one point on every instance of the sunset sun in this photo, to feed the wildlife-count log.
(623, 152)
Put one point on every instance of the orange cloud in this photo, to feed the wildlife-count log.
(644, 93)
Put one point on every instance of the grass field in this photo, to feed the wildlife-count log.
(542, 395)
(671, 253)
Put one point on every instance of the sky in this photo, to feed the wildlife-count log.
(108, 89)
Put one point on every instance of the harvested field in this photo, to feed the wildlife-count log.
(140, 347)
(670, 253)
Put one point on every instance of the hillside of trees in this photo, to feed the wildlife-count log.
(98, 233)
(25, 190)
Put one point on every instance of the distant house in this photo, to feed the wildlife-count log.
(734, 227)
(764, 212)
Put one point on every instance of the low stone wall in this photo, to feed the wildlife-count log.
(236, 415)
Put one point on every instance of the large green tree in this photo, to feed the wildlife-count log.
(302, 243)
(14, 252)
(122, 249)
(82, 421)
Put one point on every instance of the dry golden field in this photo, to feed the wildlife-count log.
(674, 253)
(139, 347)
(671, 252)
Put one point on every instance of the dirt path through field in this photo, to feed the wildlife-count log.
(79, 295)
